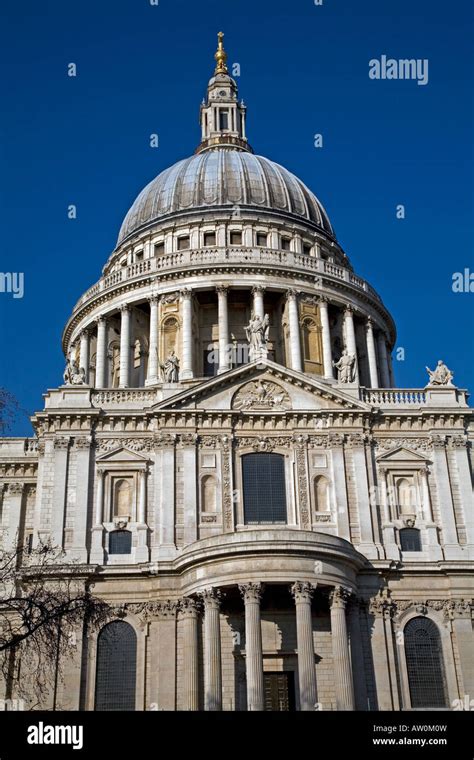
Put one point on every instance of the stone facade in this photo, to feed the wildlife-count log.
(145, 445)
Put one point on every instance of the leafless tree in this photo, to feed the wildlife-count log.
(44, 606)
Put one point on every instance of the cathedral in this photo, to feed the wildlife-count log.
(227, 458)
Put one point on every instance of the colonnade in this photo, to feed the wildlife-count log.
(378, 358)
(252, 594)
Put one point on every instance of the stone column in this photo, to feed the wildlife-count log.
(187, 342)
(212, 651)
(384, 366)
(302, 594)
(446, 506)
(189, 616)
(99, 499)
(223, 320)
(153, 363)
(251, 593)
(351, 344)
(97, 547)
(142, 498)
(125, 346)
(340, 648)
(294, 324)
(15, 505)
(101, 356)
(371, 355)
(391, 548)
(84, 353)
(258, 307)
(326, 336)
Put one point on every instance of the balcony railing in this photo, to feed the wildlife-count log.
(188, 259)
(394, 396)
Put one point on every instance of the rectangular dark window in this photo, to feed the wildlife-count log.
(209, 238)
(210, 362)
(120, 542)
(159, 249)
(306, 249)
(235, 238)
(223, 120)
(285, 244)
(410, 540)
(139, 256)
(262, 239)
(183, 243)
(264, 488)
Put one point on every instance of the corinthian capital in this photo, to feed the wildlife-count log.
(302, 592)
(339, 597)
(251, 592)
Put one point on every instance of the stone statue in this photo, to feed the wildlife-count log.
(257, 332)
(74, 375)
(171, 368)
(441, 375)
(345, 368)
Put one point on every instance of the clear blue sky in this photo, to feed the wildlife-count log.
(304, 70)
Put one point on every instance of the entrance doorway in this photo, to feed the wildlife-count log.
(279, 690)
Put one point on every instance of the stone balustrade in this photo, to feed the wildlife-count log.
(186, 260)
(394, 396)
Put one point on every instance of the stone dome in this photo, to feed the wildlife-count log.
(221, 177)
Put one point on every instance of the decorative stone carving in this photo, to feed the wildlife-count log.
(257, 334)
(457, 442)
(82, 443)
(74, 375)
(382, 605)
(251, 591)
(302, 487)
(302, 591)
(227, 501)
(208, 518)
(211, 597)
(335, 439)
(170, 368)
(164, 440)
(61, 443)
(16, 489)
(149, 611)
(264, 443)
(438, 441)
(188, 607)
(345, 368)
(171, 297)
(339, 596)
(134, 444)
(187, 439)
(385, 444)
(440, 376)
(322, 518)
(261, 394)
(355, 440)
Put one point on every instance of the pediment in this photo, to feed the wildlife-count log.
(401, 455)
(261, 387)
(121, 454)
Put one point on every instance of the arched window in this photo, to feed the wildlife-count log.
(410, 540)
(321, 493)
(208, 494)
(123, 498)
(406, 492)
(116, 667)
(120, 542)
(424, 660)
(264, 488)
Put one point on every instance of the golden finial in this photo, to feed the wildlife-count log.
(221, 55)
